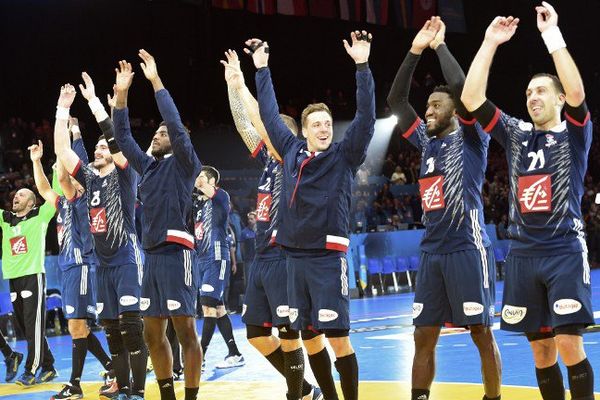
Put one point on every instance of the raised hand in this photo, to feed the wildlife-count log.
(259, 51)
(124, 76)
(72, 122)
(546, 16)
(112, 101)
(440, 36)
(424, 37)
(36, 151)
(88, 91)
(501, 30)
(148, 66)
(361, 46)
(233, 73)
(67, 95)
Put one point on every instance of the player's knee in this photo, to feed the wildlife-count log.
(257, 332)
(314, 341)
(78, 328)
(210, 312)
(481, 335)
(113, 336)
(221, 311)
(340, 344)
(569, 339)
(287, 333)
(132, 329)
(425, 339)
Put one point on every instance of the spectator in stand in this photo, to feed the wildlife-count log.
(248, 239)
(398, 177)
(502, 228)
(388, 166)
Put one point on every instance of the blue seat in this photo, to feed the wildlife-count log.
(375, 267)
(401, 264)
(6, 306)
(389, 265)
(413, 264)
(499, 254)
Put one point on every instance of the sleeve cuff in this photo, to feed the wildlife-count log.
(362, 66)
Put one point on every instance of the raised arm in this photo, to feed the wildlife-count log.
(77, 142)
(181, 143)
(568, 74)
(361, 129)
(281, 136)
(244, 108)
(120, 114)
(62, 142)
(64, 181)
(473, 95)
(36, 152)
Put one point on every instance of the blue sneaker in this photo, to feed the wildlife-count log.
(122, 396)
(26, 380)
(135, 397)
(314, 394)
(46, 376)
(12, 365)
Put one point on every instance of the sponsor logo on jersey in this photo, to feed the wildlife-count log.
(144, 303)
(550, 141)
(91, 309)
(18, 245)
(99, 307)
(471, 308)
(263, 207)
(13, 296)
(417, 309)
(293, 314)
(207, 288)
(128, 300)
(173, 305)
(283, 311)
(98, 220)
(244, 309)
(26, 294)
(535, 193)
(432, 193)
(69, 309)
(199, 230)
(566, 306)
(326, 315)
(512, 314)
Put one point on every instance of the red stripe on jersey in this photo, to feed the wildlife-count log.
(257, 149)
(412, 128)
(493, 122)
(467, 121)
(180, 240)
(76, 169)
(267, 325)
(577, 123)
(546, 329)
(336, 247)
(302, 165)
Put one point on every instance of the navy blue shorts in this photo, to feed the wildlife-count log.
(118, 290)
(456, 288)
(77, 294)
(318, 292)
(213, 276)
(541, 293)
(170, 285)
(266, 299)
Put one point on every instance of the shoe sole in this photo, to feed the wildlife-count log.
(24, 386)
(230, 366)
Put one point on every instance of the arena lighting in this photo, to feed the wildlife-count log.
(384, 127)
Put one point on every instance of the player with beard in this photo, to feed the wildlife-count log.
(111, 188)
(266, 299)
(547, 288)
(315, 203)
(169, 287)
(456, 276)
(23, 249)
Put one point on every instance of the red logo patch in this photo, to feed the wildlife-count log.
(263, 207)
(432, 193)
(98, 220)
(535, 193)
(199, 230)
(18, 245)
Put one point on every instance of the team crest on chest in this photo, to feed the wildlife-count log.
(432, 193)
(535, 193)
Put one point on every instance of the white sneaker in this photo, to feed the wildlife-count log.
(232, 362)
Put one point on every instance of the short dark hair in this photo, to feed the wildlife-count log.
(102, 137)
(163, 123)
(445, 89)
(558, 86)
(211, 172)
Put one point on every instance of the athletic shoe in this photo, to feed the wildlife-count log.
(314, 394)
(46, 376)
(68, 392)
(232, 362)
(115, 395)
(110, 390)
(26, 380)
(203, 368)
(135, 397)
(177, 374)
(12, 365)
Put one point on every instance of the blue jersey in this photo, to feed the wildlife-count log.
(451, 179)
(267, 205)
(111, 202)
(546, 171)
(210, 226)
(73, 231)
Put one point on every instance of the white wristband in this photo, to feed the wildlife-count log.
(75, 129)
(95, 105)
(62, 113)
(553, 39)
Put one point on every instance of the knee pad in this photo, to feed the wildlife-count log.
(210, 301)
(574, 329)
(132, 329)
(113, 336)
(533, 336)
(254, 331)
(286, 333)
(308, 334)
(334, 333)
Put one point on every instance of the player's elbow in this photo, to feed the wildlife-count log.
(576, 97)
(470, 101)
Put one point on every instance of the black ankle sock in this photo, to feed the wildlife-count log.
(294, 372)
(276, 360)
(80, 348)
(224, 324)
(320, 363)
(167, 389)
(550, 382)
(191, 393)
(419, 394)
(347, 367)
(581, 380)
(491, 398)
(121, 366)
(208, 329)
